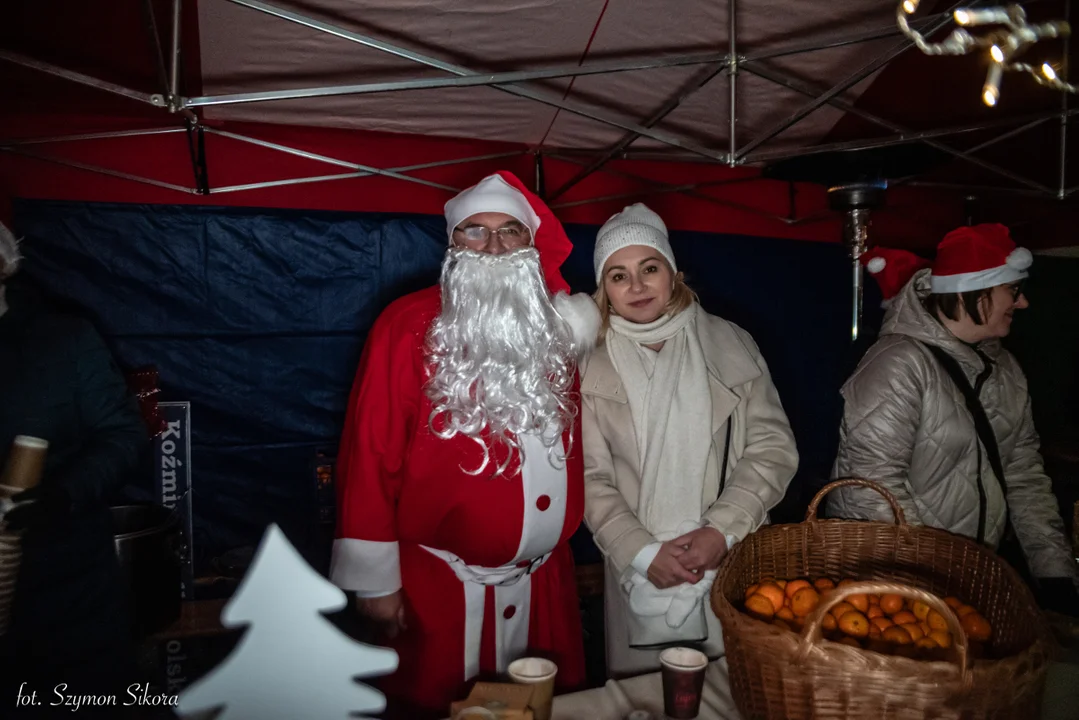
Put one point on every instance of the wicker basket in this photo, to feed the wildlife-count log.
(779, 675)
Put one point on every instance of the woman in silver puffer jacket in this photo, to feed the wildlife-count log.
(907, 424)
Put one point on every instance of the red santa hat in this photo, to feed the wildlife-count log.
(978, 257)
(503, 192)
(9, 252)
(892, 269)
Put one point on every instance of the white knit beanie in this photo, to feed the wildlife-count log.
(635, 225)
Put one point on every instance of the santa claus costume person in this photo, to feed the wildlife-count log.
(460, 473)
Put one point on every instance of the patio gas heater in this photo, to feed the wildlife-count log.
(856, 201)
(857, 181)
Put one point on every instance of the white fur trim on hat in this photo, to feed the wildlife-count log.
(980, 280)
(635, 225)
(492, 194)
(9, 252)
(581, 314)
(1020, 259)
(875, 265)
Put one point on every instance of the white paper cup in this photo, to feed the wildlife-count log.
(540, 673)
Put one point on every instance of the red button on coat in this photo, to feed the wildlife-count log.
(509, 612)
(543, 502)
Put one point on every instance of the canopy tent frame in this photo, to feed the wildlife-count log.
(729, 64)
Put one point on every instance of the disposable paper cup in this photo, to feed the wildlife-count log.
(25, 463)
(475, 713)
(683, 681)
(540, 674)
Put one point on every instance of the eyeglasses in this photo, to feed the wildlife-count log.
(1016, 289)
(509, 234)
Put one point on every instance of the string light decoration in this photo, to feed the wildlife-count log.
(1013, 37)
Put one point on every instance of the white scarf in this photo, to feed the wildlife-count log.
(671, 408)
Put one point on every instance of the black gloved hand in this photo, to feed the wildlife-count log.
(38, 507)
(1059, 595)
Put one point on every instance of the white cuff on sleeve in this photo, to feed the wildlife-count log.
(644, 558)
(366, 567)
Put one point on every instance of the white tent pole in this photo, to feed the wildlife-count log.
(903, 138)
(99, 169)
(539, 96)
(1062, 181)
(732, 80)
(90, 136)
(155, 99)
(836, 90)
(174, 58)
(787, 81)
(361, 174)
(326, 159)
(471, 80)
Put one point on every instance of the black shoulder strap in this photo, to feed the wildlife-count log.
(726, 455)
(981, 424)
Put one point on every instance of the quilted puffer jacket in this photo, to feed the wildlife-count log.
(906, 425)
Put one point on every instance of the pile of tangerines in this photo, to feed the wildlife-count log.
(889, 624)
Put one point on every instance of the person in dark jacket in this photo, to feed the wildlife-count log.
(69, 623)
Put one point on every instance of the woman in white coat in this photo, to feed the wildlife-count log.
(686, 445)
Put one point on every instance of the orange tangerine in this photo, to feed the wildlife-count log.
(891, 604)
(805, 601)
(897, 635)
(794, 586)
(914, 631)
(854, 624)
(926, 643)
(881, 623)
(953, 602)
(936, 621)
(920, 610)
(976, 627)
(781, 583)
(874, 632)
(964, 610)
(751, 590)
(874, 599)
(823, 584)
(785, 614)
(860, 602)
(839, 609)
(760, 607)
(904, 617)
(943, 638)
(875, 612)
(925, 628)
(828, 622)
(774, 593)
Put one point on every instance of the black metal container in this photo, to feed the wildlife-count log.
(148, 542)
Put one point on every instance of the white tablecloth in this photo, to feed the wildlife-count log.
(645, 692)
(618, 698)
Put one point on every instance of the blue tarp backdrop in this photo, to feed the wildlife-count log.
(258, 318)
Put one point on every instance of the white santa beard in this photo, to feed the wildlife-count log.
(502, 358)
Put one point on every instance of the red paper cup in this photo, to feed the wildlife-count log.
(683, 681)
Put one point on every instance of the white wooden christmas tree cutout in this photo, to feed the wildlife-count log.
(292, 662)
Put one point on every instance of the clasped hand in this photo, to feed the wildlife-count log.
(685, 559)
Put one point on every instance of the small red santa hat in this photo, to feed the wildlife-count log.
(892, 268)
(978, 257)
(503, 192)
(9, 252)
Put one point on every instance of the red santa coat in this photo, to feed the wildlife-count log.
(484, 562)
